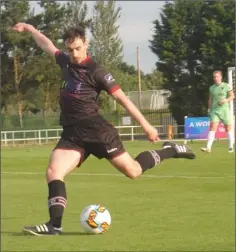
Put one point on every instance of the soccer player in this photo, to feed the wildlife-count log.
(221, 94)
(85, 132)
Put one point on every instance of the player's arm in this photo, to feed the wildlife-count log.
(209, 103)
(107, 82)
(230, 96)
(41, 40)
(123, 100)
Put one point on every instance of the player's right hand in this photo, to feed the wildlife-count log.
(221, 102)
(20, 27)
(152, 134)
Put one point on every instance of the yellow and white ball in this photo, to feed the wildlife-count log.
(95, 219)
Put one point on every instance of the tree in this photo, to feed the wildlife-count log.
(105, 43)
(128, 82)
(130, 69)
(43, 68)
(15, 50)
(154, 80)
(77, 11)
(189, 40)
(218, 49)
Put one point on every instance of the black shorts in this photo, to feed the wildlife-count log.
(92, 136)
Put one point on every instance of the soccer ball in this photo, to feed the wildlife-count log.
(95, 219)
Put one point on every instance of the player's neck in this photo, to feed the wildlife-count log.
(82, 61)
(85, 59)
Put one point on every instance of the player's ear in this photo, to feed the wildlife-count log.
(86, 43)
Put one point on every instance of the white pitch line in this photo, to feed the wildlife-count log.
(121, 175)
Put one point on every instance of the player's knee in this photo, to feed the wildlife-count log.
(133, 172)
(132, 175)
(213, 128)
(127, 165)
(53, 174)
(228, 128)
(49, 173)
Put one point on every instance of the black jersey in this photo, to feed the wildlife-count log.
(82, 84)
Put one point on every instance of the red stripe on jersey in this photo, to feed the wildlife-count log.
(57, 53)
(85, 60)
(115, 88)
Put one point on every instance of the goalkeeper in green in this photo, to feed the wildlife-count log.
(221, 94)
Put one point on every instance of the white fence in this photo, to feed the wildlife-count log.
(44, 136)
(29, 136)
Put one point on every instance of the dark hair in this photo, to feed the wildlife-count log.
(74, 32)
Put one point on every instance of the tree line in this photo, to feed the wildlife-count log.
(31, 79)
(191, 39)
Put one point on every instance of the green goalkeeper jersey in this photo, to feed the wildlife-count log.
(219, 92)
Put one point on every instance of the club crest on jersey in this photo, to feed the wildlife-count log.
(72, 87)
(109, 78)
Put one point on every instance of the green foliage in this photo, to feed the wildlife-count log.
(44, 71)
(155, 80)
(127, 81)
(76, 14)
(13, 76)
(106, 45)
(130, 69)
(218, 49)
(191, 39)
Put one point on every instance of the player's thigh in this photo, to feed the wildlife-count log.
(67, 155)
(214, 120)
(62, 162)
(226, 119)
(213, 126)
(71, 139)
(127, 165)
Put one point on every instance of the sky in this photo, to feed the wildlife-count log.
(135, 30)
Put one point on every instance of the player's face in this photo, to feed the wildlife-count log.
(217, 77)
(77, 50)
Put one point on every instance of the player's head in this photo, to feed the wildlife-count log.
(217, 77)
(76, 44)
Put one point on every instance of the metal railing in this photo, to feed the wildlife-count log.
(45, 136)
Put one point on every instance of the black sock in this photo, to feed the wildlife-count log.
(149, 159)
(56, 202)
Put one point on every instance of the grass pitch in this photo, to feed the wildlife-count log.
(182, 205)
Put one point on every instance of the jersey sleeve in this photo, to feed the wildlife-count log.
(62, 59)
(105, 81)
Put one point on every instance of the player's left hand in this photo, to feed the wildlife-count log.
(221, 102)
(152, 134)
(20, 27)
